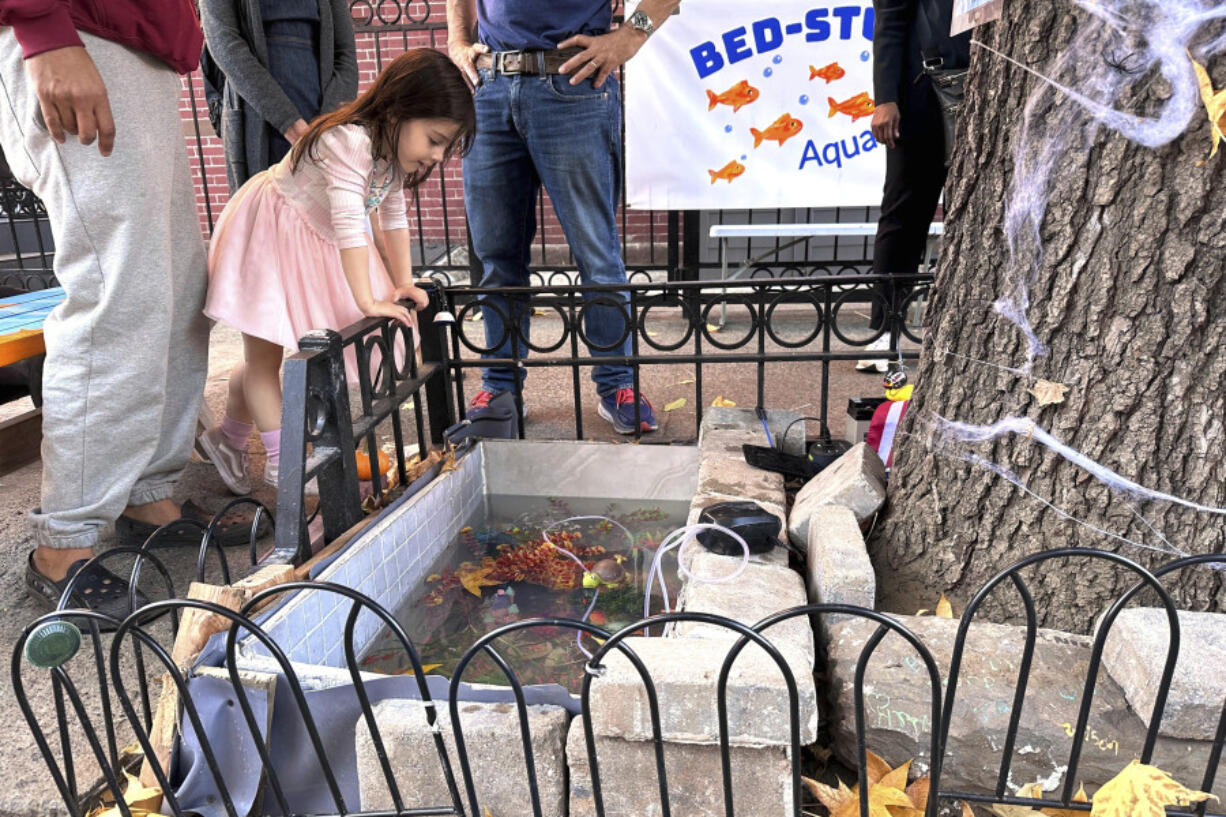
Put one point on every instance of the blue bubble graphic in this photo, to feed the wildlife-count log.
(767, 72)
(804, 99)
(864, 56)
(743, 157)
(727, 129)
(778, 59)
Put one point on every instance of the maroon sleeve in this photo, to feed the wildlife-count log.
(40, 25)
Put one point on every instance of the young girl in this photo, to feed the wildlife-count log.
(291, 251)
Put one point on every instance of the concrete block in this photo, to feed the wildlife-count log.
(1135, 654)
(685, 673)
(759, 591)
(855, 480)
(630, 787)
(897, 705)
(746, 421)
(495, 753)
(838, 569)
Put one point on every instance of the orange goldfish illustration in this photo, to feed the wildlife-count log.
(728, 172)
(738, 96)
(858, 106)
(829, 73)
(781, 130)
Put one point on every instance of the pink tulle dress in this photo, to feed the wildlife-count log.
(274, 261)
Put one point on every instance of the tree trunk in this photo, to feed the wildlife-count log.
(1128, 291)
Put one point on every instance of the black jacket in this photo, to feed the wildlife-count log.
(902, 29)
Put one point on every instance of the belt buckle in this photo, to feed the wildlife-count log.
(500, 59)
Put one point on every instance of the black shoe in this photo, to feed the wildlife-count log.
(188, 531)
(96, 589)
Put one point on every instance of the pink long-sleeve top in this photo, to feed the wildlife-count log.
(344, 181)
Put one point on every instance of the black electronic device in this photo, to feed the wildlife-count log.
(753, 523)
(772, 459)
(825, 450)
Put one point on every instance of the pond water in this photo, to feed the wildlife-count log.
(502, 569)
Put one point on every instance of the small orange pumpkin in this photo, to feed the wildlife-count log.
(385, 464)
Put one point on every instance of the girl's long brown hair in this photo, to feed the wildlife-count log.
(419, 84)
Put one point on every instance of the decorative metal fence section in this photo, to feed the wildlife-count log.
(828, 319)
(102, 669)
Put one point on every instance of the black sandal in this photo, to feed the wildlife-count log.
(96, 589)
(234, 529)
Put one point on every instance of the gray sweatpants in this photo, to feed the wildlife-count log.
(127, 351)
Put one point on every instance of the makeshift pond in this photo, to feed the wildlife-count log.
(534, 558)
(507, 535)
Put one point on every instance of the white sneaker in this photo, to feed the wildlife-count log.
(232, 465)
(879, 365)
(271, 472)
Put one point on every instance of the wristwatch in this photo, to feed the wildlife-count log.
(639, 20)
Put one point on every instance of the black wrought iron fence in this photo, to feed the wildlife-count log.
(698, 324)
(102, 669)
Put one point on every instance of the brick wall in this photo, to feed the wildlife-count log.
(439, 211)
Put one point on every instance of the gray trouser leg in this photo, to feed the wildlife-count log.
(128, 349)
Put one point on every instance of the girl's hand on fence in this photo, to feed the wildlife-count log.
(411, 292)
(387, 309)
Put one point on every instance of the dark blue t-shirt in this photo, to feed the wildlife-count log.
(515, 25)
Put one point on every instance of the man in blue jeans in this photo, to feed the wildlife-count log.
(549, 112)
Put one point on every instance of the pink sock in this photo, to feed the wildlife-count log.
(272, 444)
(235, 433)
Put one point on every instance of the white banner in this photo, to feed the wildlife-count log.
(754, 105)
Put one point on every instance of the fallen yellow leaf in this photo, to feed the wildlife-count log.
(1079, 797)
(1142, 791)
(1048, 392)
(713, 328)
(721, 402)
(424, 668)
(676, 404)
(831, 798)
(143, 801)
(1032, 790)
(876, 767)
(1215, 105)
(966, 810)
(918, 792)
(688, 381)
(944, 608)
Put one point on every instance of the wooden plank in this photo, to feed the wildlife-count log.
(196, 627)
(20, 345)
(21, 438)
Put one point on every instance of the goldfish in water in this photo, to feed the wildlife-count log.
(738, 96)
(858, 106)
(781, 130)
(728, 172)
(829, 73)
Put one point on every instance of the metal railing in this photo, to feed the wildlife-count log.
(817, 311)
(100, 670)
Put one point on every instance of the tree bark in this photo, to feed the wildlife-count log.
(1129, 293)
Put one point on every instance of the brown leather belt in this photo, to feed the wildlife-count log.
(529, 63)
